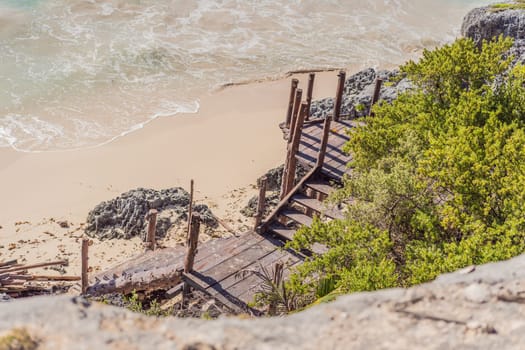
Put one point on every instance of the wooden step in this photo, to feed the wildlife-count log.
(281, 231)
(297, 216)
(320, 186)
(288, 233)
(317, 206)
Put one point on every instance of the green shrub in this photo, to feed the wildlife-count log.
(438, 179)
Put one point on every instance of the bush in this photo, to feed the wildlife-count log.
(438, 180)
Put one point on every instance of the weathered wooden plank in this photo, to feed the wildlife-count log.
(253, 282)
(317, 206)
(162, 277)
(297, 216)
(320, 186)
(234, 247)
(238, 262)
(227, 285)
(282, 231)
(193, 280)
(249, 294)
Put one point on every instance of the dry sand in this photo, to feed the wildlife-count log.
(225, 147)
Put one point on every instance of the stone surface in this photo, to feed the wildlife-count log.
(125, 216)
(430, 316)
(358, 92)
(484, 23)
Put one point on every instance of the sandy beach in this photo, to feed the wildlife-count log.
(232, 140)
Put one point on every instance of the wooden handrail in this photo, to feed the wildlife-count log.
(262, 228)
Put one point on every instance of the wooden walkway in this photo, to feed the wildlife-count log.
(231, 276)
(149, 271)
(227, 269)
(335, 164)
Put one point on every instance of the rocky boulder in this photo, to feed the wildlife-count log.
(481, 307)
(358, 92)
(274, 179)
(485, 23)
(125, 216)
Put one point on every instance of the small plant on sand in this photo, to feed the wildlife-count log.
(18, 339)
(134, 303)
(273, 293)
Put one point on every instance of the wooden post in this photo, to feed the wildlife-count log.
(84, 265)
(152, 226)
(190, 209)
(296, 107)
(293, 88)
(375, 97)
(309, 93)
(324, 142)
(193, 241)
(293, 147)
(339, 95)
(261, 203)
(309, 211)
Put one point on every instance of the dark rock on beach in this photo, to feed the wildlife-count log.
(358, 92)
(274, 177)
(273, 186)
(125, 216)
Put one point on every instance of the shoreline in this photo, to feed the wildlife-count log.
(232, 140)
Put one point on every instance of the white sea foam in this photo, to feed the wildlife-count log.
(80, 73)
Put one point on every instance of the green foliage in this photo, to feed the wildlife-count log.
(362, 250)
(133, 302)
(18, 339)
(517, 5)
(438, 179)
(273, 291)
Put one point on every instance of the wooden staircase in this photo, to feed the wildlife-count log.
(300, 206)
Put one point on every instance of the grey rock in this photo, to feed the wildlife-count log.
(430, 316)
(485, 23)
(273, 185)
(477, 293)
(271, 201)
(274, 177)
(125, 216)
(358, 92)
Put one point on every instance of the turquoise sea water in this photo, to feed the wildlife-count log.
(78, 73)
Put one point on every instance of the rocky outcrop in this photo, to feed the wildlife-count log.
(358, 92)
(125, 216)
(274, 179)
(486, 23)
(480, 307)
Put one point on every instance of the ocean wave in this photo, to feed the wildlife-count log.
(81, 73)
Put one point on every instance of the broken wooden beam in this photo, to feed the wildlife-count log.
(154, 279)
(34, 266)
(6, 264)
